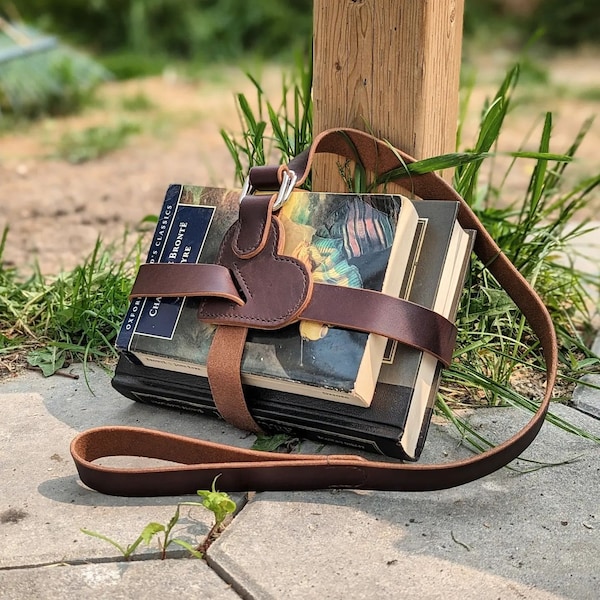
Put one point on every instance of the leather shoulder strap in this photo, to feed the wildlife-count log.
(240, 469)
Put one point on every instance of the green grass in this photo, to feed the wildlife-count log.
(274, 132)
(94, 142)
(73, 316)
(536, 232)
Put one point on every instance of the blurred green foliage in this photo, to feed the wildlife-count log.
(568, 23)
(140, 37)
(480, 13)
(203, 30)
(561, 23)
(43, 76)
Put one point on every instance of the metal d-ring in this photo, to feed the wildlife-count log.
(247, 189)
(288, 181)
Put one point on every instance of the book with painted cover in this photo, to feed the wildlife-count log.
(397, 421)
(361, 241)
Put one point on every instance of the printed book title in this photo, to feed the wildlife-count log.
(179, 237)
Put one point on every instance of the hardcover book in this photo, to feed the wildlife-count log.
(408, 382)
(344, 239)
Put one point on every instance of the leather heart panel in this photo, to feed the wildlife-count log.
(276, 288)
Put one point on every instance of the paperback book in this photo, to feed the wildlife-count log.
(351, 240)
(397, 420)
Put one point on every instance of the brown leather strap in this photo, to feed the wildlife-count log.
(350, 308)
(223, 366)
(374, 312)
(242, 470)
(155, 280)
(253, 231)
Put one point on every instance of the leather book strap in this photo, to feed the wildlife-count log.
(357, 309)
(240, 469)
(225, 379)
(397, 319)
(175, 280)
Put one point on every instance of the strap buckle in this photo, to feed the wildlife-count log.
(288, 182)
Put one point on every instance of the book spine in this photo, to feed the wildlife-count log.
(178, 238)
(158, 240)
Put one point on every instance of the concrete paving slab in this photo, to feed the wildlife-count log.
(185, 578)
(586, 397)
(43, 507)
(42, 504)
(510, 535)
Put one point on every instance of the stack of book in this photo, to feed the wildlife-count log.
(310, 379)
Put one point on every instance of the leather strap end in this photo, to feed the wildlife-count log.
(168, 280)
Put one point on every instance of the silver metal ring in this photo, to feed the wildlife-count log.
(288, 181)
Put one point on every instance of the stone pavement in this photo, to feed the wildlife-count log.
(511, 535)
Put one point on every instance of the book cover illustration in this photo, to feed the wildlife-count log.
(344, 239)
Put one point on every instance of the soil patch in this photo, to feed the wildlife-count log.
(56, 210)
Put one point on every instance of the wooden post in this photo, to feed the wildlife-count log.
(390, 67)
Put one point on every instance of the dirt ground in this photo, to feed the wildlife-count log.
(56, 210)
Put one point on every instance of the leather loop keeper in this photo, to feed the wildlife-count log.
(264, 177)
(253, 225)
(224, 376)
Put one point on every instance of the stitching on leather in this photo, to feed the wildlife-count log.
(278, 258)
(236, 247)
(235, 226)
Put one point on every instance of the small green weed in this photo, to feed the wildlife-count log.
(48, 360)
(279, 442)
(219, 503)
(94, 142)
(162, 533)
